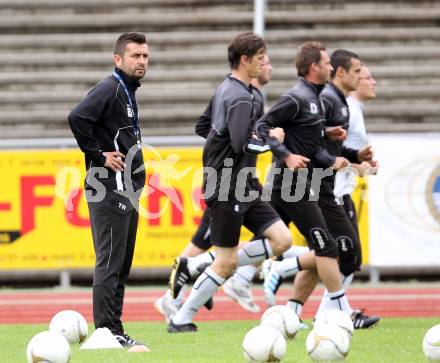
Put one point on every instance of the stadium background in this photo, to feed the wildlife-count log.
(54, 51)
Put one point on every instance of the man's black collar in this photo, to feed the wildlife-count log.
(317, 87)
(131, 82)
(338, 92)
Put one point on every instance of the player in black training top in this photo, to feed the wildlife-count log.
(230, 183)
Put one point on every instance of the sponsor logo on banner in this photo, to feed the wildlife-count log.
(412, 193)
(404, 201)
(433, 193)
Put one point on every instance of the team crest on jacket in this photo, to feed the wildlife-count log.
(433, 193)
(129, 111)
(344, 111)
(313, 108)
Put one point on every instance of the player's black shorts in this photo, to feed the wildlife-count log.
(309, 220)
(202, 237)
(342, 230)
(228, 217)
(350, 210)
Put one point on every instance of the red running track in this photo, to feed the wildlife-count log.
(39, 307)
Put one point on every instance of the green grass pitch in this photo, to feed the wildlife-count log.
(393, 341)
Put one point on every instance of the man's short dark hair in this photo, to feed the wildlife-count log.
(125, 38)
(341, 58)
(247, 44)
(309, 53)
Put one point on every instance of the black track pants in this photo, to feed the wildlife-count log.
(114, 223)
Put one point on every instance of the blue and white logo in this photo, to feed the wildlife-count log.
(433, 193)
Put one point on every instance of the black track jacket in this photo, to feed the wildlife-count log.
(104, 121)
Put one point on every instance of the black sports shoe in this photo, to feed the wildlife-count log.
(362, 321)
(209, 304)
(126, 341)
(179, 275)
(181, 328)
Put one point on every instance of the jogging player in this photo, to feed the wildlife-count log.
(229, 185)
(238, 287)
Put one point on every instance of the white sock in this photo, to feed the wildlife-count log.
(287, 267)
(296, 306)
(195, 262)
(295, 251)
(253, 252)
(168, 295)
(205, 287)
(321, 306)
(245, 274)
(345, 281)
(335, 300)
(178, 301)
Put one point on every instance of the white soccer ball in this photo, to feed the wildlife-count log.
(283, 319)
(339, 318)
(327, 342)
(48, 347)
(264, 344)
(71, 324)
(431, 343)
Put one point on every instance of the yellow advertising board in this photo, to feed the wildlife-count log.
(44, 220)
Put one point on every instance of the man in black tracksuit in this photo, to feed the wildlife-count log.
(106, 126)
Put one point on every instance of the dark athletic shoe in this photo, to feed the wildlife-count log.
(126, 341)
(179, 276)
(209, 304)
(181, 328)
(362, 321)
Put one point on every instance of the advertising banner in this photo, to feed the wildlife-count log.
(405, 201)
(44, 220)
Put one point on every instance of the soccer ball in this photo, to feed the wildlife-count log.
(327, 342)
(431, 343)
(71, 324)
(264, 344)
(337, 317)
(283, 319)
(48, 347)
